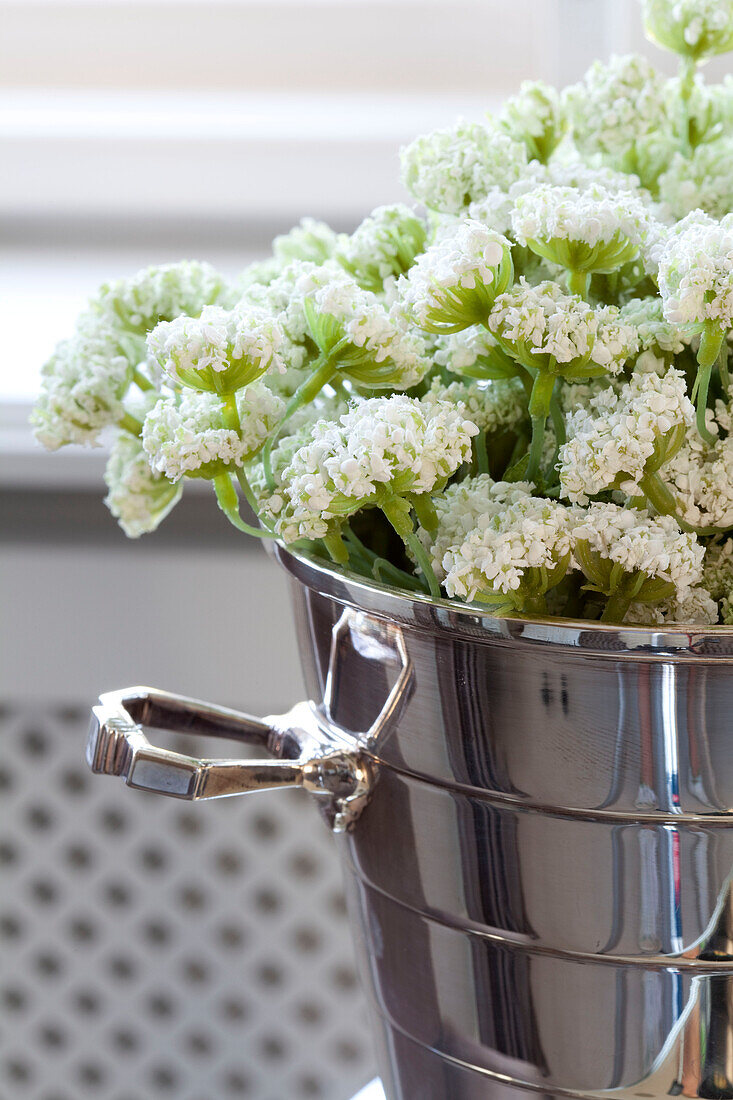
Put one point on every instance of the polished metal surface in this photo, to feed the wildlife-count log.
(539, 880)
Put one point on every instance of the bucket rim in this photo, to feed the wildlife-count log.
(422, 612)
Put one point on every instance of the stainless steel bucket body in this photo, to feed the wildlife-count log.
(536, 828)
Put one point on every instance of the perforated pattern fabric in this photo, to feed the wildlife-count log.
(153, 949)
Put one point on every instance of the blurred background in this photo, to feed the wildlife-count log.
(152, 949)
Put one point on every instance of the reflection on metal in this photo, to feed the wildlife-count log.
(540, 883)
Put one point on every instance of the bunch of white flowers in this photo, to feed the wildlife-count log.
(514, 392)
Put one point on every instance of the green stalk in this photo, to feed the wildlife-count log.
(579, 283)
(539, 410)
(481, 454)
(232, 421)
(661, 497)
(424, 508)
(616, 607)
(397, 515)
(711, 350)
(228, 501)
(130, 424)
(324, 370)
(688, 68)
(141, 381)
(336, 547)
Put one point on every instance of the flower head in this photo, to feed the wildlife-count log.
(371, 345)
(473, 353)
(695, 607)
(309, 240)
(703, 181)
(448, 169)
(701, 475)
(492, 406)
(649, 557)
(582, 230)
(185, 435)
(454, 282)
(534, 118)
(137, 497)
(543, 327)
(696, 271)
(621, 113)
(717, 572)
(383, 246)
(383, 448)
(219, 352)
(655, 334)
(613, 443)
(161, 294)
(82, 386)
(692, 28)
(511, 558)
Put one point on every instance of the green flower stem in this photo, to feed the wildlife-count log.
(712, 349)
(425, 511)
(399, 516)
(130, 424)
(323, 371)
(616, 607)
(228, 501)
(232, 421)
(539, 409)
(579, 283)
(336, 547)
(688, 68)
(141, 381)
(379, 568)
(480, 452)
(661, 497)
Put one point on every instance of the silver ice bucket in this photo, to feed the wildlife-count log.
(536, 828)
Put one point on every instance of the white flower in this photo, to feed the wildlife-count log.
(185, 436)
(717, 571)
(448, 169)
(518, 553)
(696, 271)
(610, 443)
(464, 506)
(82, 386)
(494, 211)
(621, 112)
(382, 352)
(492, 406)
(533, 117)
(655, 334)
(696, 608)
(640, 543)
(384, 447)
(584, 230)
(453, 283)
(383, 246)
(137, 497)
(701, 475)
(540, 323)
(693, 28)
(703, 181)
(309, 240)
(472, 353)
(161, 293)
(220, 351)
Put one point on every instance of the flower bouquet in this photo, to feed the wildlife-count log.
(515, 393)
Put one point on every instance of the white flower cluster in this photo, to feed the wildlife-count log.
(591, 215)
(694, 27)
(383, 447)
(702, 478)
(621, 113)
(696, 271)
(467, 353)
(533, 117)
(717, 574)
(82, 386)
(529, 534)
(449, 169)
(185, 436)
(655, 334)
(640, 543)
(610, 443)
(492, 406)
(219, 351)
(383, 246)
(695, 608)
(461, 272)
(460, 510)
(162, 293)
(543, 321)
(137, 497)
(309, 240)
(702, 181)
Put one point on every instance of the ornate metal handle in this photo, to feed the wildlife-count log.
(117, 745)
